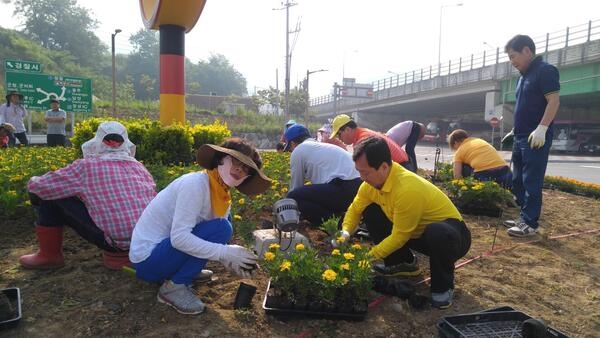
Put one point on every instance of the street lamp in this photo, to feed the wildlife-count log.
(114, 90)
(308, 72)
(440, 35)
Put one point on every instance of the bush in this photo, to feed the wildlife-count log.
(174, 144)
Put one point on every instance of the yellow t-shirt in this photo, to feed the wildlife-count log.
(408, 200)
(479, 154)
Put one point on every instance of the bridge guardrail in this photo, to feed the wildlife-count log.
(575, 35)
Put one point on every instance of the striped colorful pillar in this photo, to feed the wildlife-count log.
(172, 74)
(173, 18)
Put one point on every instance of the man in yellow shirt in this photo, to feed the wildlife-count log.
(403, 211)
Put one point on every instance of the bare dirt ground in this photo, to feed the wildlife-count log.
(557, 280)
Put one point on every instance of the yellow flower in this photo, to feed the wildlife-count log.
(345, 266)
(345, 281)
(464, 188)
(237, 217)
(340, 239)
(329, 275)
(335, 252)
(274, 247)
(285, 265)
(269, 256)
(349, 256)
(284, 190)
(299, 247)
(241, 201)
(364, 264)
(356, 246)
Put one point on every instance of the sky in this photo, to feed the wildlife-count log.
(365, 40)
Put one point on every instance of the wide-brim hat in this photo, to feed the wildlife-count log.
(338, 122)
(13, 92)
(8, 127)
(254, 185)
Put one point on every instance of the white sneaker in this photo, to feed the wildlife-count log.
(180, 297)
(522, 230)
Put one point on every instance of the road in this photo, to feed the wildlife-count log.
(581, 168)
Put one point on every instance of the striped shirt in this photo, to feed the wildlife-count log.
(115, 192)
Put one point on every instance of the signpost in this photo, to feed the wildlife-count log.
(494, 121)
(74, 93)
(22, 66)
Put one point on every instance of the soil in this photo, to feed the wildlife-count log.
(553, 279)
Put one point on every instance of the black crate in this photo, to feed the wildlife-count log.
(491, 323)
(14, 296)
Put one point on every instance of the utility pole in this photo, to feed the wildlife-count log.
(288, 56)
(114, 81)
(306, 91)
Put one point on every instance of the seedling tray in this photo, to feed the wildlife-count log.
(293, 312)
(487, 324)
(14, 297)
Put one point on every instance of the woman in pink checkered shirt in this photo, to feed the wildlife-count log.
(100, 196)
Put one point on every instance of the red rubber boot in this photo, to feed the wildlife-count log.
(50, 254)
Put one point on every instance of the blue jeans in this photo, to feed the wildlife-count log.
(166, 262)
(529, 169)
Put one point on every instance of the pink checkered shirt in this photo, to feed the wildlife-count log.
(115, 193)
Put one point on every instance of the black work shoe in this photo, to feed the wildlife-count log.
(402, 269)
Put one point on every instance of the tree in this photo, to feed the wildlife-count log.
(62, 25)
(216, 76)
(142, 64)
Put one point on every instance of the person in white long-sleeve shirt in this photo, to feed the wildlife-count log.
(188, 223)
(329, 169)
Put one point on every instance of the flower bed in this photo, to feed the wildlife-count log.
(486, 198)
(302, 282)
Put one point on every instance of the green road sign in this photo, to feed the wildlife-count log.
(73, 93)
(22, 66)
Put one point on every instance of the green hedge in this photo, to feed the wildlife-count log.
(174, 144)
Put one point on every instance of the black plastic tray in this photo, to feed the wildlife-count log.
(314, 314)
(499, 322)
(14, 296)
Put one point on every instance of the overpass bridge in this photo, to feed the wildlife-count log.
(480, 86)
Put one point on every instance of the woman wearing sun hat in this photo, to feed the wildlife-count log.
(188, 224)
(14, 113)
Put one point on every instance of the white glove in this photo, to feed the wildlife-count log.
(508, 136)
(537, 138)
(335, 242)
(238, 260)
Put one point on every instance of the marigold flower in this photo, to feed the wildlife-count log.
(345, 266)
(285, 265)
(364, 264)
(349, 256)
(340, 239)
(299, 247)
(335, 252)
(237, 217)
(329, 275)
(269, 256)
(274, 247)
(241, 201)
(356, 246)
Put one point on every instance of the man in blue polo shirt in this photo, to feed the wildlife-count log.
(535, 108)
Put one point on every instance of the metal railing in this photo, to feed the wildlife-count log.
(575, 35)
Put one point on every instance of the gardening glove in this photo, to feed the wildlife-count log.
(508, 137)
(343, 237)
(238, 260)
(538, 137)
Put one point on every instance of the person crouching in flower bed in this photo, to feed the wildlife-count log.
(403, 211)
(100, 196)
(474, 156)
(188, 224)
